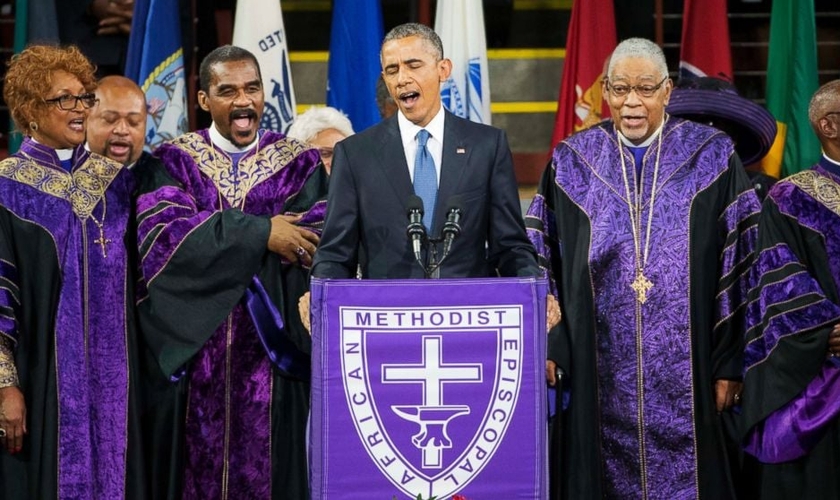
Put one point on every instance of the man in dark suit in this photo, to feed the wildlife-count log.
(374, 176)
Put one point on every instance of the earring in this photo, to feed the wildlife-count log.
(33, 126)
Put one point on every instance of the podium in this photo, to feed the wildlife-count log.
(428, 388)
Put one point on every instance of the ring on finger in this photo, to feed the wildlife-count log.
(2, 433)
(737, 399)
(300, 251)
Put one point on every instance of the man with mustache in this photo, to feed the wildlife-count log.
(117, 129)
(225, 232)
(117, 123)
(647, 225)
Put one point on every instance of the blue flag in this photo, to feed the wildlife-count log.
(354, 64)
(156, 62)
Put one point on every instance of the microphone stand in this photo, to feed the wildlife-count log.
(419, 238)
(451, 229)
(433, 271)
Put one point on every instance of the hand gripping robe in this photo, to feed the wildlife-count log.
(203, 226)
(791, 387)
(67, 325)
(651, 316)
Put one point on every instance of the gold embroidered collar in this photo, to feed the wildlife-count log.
(254, 167)
(819, 187)
(84, 187)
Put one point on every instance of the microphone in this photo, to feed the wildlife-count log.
(451, 228)
(416, 230)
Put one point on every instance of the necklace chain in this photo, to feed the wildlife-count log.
(102, 240)
(641, 284)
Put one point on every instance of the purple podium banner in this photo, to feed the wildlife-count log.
(429, 388)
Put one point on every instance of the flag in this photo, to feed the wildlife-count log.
(258, 28)
(354, 65)
(155, 60)
(791, 81)
(589, 44)
(466, 93)
(705, 40)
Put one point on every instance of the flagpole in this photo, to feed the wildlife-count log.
(658, 23)
(424, 12)
(191, 78)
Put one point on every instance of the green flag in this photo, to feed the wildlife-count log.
(791, 81)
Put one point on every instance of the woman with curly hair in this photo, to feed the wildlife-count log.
(66, 300)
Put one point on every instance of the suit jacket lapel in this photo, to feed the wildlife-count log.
(456, 151)
(392, 161)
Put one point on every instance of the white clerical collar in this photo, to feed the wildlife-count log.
(830, 160)
(408, 129)
(225, 145)
(647, 142)
(63, 154)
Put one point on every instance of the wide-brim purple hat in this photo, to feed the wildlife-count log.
(711, 99)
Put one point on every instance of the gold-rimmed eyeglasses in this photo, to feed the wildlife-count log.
(621, 89)
(831, 113)
(70, 101)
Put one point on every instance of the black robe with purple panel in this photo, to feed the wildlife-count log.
(641, 419)
(203, 226)
(67, 305)
(791, 387)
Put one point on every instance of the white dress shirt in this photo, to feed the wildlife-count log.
(408, 133)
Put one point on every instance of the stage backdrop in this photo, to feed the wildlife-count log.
(430, 388)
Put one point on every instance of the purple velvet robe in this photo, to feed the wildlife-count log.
(792, 388)
(641, 419)
(203, 228)
(66, 304)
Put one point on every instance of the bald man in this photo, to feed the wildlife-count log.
(116, 129)
(791, 410)
(117, 124)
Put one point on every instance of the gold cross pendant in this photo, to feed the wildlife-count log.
(641, 285)
(102, 241)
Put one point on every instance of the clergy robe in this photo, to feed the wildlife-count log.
(67, 307)
(792, 389)
(641, 419)
(203, 226)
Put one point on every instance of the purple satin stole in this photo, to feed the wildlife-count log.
(792, 431)
(282, 352)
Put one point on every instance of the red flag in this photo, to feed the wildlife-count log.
(590, 42)
(705, 40)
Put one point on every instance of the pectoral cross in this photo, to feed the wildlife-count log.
(102, 241)
(641, 285)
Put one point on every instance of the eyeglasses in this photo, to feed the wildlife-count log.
(622, 90)
(831, 113)
(70, 101)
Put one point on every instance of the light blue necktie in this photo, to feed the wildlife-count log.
(425, 178)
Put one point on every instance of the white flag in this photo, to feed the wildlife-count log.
(460, 24)
(259, 29)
